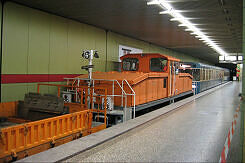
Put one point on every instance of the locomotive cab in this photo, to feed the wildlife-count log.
(158, 67)
(149, 63)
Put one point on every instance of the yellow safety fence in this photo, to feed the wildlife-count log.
(25, 136)
(33, 137)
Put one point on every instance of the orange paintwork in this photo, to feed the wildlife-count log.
(147, 85)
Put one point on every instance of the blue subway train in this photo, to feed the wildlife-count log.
(205, 76)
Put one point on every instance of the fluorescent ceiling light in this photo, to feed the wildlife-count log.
(177, 19)
(198, 36)
(165, 12)
(168, 9)
(182, 25)
(153, 2)
(193, 33)
(174, 19)
(187, 29)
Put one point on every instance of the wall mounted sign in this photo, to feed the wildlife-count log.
(236, 59)
(127, 50)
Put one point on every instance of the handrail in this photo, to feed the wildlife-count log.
(98, 80)
(131, 94)
(123, 92)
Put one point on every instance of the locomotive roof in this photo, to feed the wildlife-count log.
(153, 55)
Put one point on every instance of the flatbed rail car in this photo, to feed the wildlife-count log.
(145, 80)
(205, 76)
(25, 129)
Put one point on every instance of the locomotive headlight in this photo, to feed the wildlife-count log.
(86, 54)
(96, 54)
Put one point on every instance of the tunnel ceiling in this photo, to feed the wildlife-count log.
(220, 19)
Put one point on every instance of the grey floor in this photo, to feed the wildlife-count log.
(195, 132)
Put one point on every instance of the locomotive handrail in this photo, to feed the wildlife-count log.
(131, 94)
(123, 92)
(95, 80)
(99, 80)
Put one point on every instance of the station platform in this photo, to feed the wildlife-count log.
(191, 130)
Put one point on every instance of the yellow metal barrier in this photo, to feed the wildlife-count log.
(29, 138)
(29, 135)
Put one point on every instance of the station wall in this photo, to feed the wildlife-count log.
(38, 44)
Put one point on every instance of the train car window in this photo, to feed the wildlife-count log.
(158, 64)
(217, 74)
(130, 64)
(206, 74)
(189, 71)
(196, 74)
(210, 74)
(202, 74)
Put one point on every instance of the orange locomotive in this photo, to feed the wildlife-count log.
(145, 80)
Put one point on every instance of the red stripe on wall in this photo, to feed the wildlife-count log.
(35, 78)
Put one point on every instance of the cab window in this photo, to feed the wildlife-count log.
(130, 64)
(158, 64)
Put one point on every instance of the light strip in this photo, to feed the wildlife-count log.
(176, 16)
(187, 29)
(175, 19)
